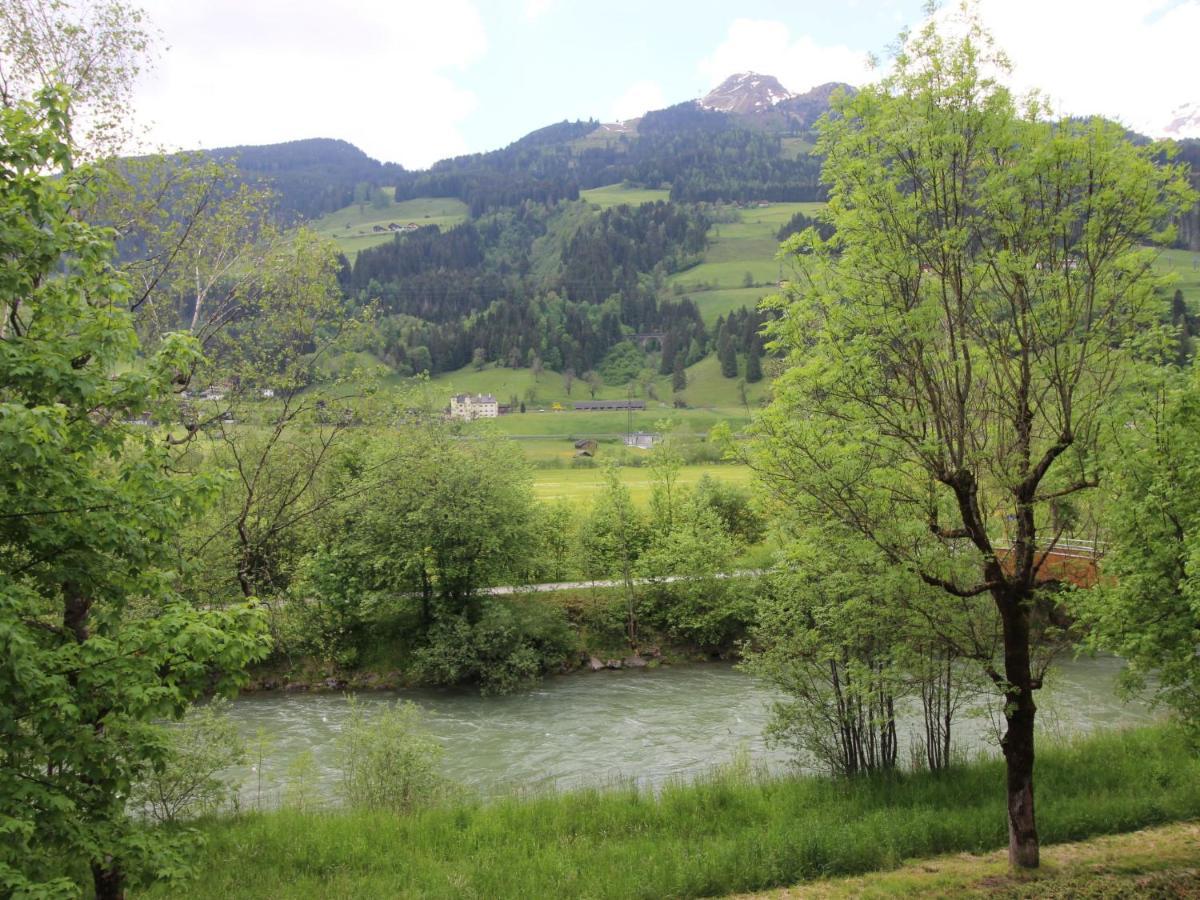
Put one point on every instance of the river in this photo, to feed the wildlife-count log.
(595, 728)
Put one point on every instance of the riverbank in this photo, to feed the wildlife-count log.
(1153, 862)
(733, 831)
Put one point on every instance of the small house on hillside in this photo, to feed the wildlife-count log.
(473, 406)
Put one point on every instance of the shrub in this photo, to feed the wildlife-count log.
(187, 782)
(512, 644)
(389, 760)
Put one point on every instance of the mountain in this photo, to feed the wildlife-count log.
(313, 176)
(745, 93)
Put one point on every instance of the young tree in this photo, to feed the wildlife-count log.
(613, 538)
(97, 642)
(955, 345)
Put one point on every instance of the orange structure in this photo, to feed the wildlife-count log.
(1076, 562)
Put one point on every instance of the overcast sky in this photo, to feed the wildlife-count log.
(413, 81)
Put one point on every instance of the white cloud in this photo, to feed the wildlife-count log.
(1133, 60)
(376, 73)
(767, 47)
(535, 9)
(640, 97)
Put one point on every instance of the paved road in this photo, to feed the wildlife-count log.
(550, 587)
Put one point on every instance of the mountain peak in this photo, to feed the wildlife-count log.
(746, 92)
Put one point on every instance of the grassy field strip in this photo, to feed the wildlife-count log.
(616, 194)
(733, 831)
(582, 485)
(1154, 862)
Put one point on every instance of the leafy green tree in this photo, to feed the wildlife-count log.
(1147, 605)
(955, 346)
(614, 536)
(97, 642)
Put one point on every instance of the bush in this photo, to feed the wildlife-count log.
(187, 782)
(512, 645)
(389, 760)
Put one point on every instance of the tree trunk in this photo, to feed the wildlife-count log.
(1017, 743)
(108, 880)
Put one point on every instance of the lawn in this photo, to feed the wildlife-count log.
(616, 194)
(582, 485)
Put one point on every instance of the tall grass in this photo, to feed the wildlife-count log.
(733, 831)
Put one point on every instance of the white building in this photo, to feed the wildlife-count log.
(473, 406)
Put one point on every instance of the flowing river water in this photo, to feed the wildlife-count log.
(611, 726)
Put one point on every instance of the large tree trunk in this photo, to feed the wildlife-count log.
(108, 880)
(1017, 743)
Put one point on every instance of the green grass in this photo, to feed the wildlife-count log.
(714, 398)
(1186, 266)
(351, 226)
(616, 194)
(1153, 862)
(583, 484)
(749, 245)
(722, 302)
(730, 832)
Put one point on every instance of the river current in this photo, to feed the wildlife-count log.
(644, 726)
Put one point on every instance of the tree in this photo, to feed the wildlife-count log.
(727, 355)
(678, 375)
(94, 50)
(955, 345)
(613, 539)
(568, 377)
(754, 372)
(594, 382)
(1146, 606)
(97, 641)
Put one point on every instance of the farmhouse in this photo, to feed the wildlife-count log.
(473, 406)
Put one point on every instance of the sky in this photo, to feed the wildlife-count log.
(414, 81)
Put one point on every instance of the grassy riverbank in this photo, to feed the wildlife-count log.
(1153, 862)
(731, 832)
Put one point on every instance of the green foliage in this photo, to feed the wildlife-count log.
(510, 646)
(1147, 605)
(733, 505)
(187, 782)
(96, 640)
(622, 363)
(388, 759)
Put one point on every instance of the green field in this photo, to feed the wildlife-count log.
(616, 194)
(707, 390)
(1185, 265)
(352, 226)
(722, 302)
(581, 485)
(592, 424)
(748, 246)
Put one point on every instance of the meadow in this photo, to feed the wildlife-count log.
(616, 194)
(581, 485)
(733, 831)
(747, 246)
(351, 227)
